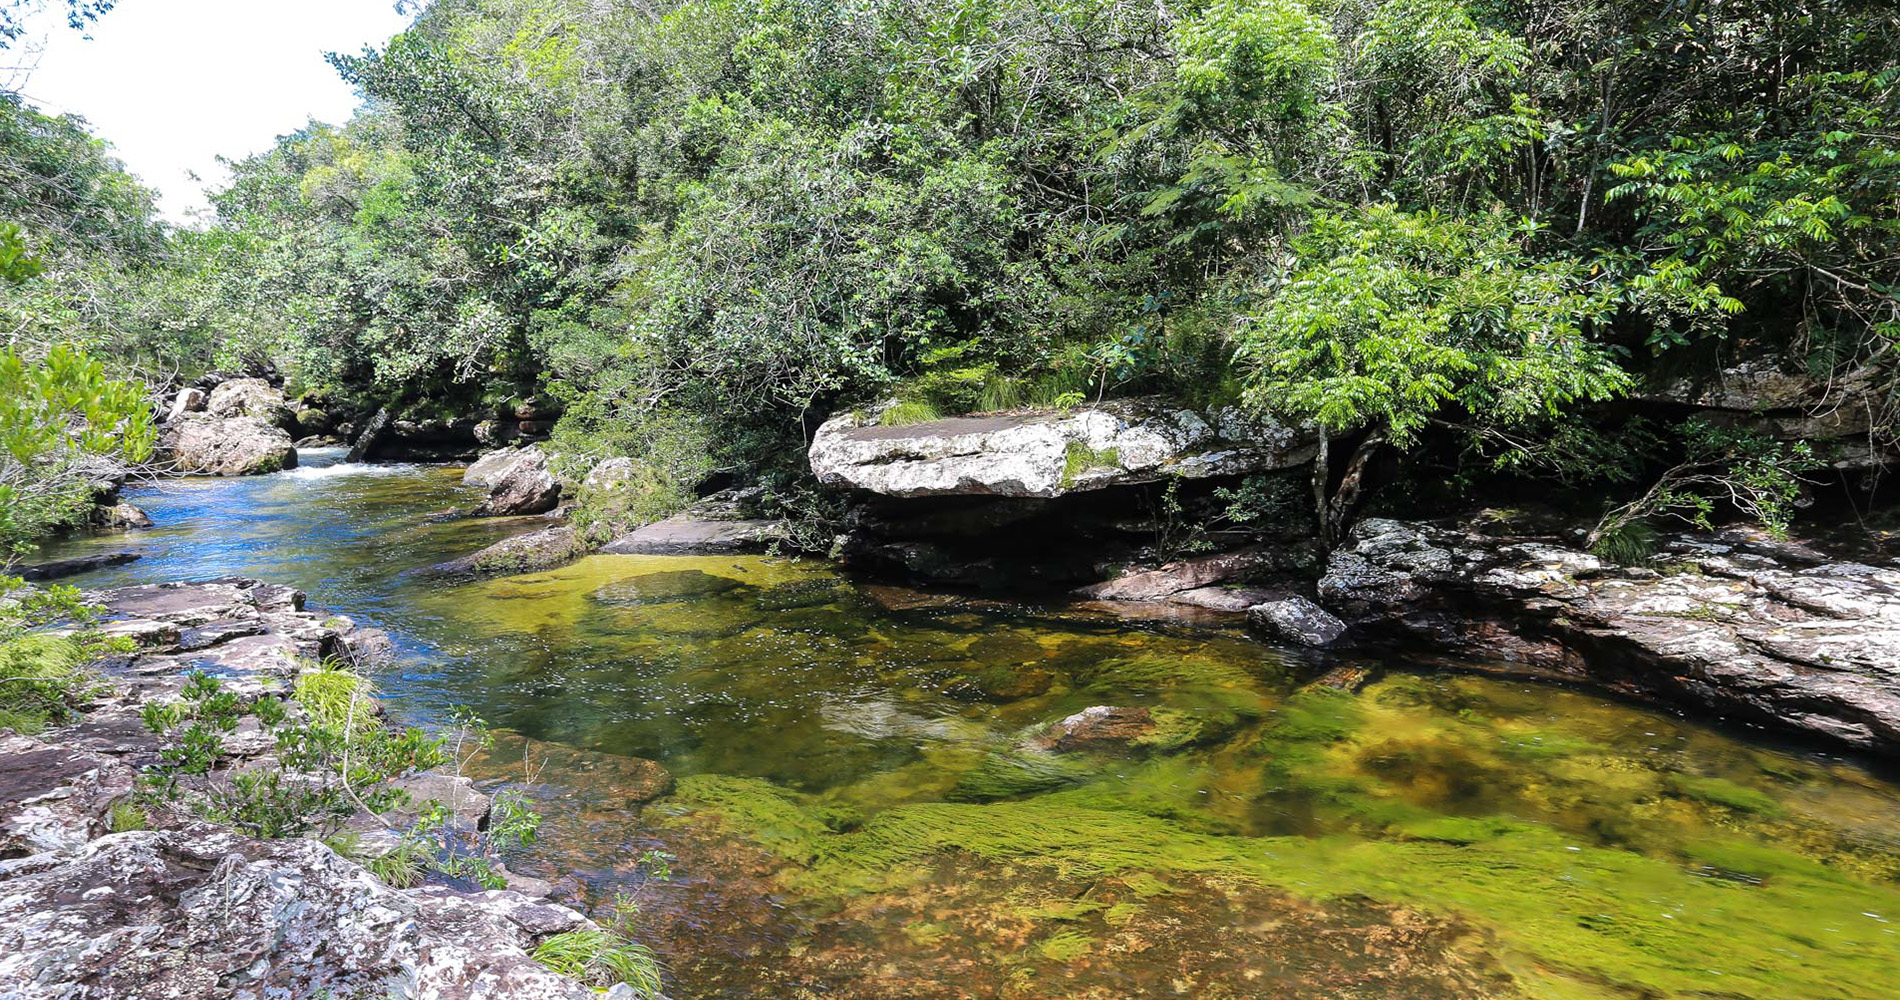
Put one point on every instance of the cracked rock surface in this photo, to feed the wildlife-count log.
(1764, 631)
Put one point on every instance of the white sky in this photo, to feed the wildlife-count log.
(174, 84)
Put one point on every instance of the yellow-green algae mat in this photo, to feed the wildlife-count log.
(1741, 913)
(1602, 850)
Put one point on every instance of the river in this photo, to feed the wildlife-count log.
(863, 809)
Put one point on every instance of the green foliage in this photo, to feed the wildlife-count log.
(61, 418)
(1398, 320)
(125, 816)
(1720, 468)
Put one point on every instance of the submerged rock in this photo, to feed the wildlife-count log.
(517, 480)
(1098, 728)
(666, 587)
(61, 568)
(1051, 453)
(1734, 625)
(207, 913)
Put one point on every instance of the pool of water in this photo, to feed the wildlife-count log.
(865, 807)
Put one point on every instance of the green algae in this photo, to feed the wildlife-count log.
(1590, 914)
(1721, 792)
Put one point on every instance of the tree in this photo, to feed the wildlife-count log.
(1388, 324)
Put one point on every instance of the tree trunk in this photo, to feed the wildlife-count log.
(1335, 505)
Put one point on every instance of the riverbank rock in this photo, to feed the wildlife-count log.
(518, 482)
(529, 553)
(1051, 453)
(207, 913)
(1732, 623)
(686, 535)
(208, 445)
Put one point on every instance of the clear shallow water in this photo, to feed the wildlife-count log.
(863, 810)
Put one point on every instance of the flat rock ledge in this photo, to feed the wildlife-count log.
(1766, 632)
(1051, 453)
(206, 913)
(190, 910)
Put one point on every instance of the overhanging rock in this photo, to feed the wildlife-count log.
(1052, 453)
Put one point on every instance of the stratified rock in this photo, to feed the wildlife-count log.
(1051, 453)
(62, 568)
(207, 913)
(517, 480)
(55, 797)
(250, 397)
(1297, 620)
(209, 445)
(532, 552)
(1739, 627)
(1184, 575)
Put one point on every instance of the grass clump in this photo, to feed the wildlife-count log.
(1080, 458)
(598, 956)
(909, 411)
(125, 816)
(336, 698)
(43, 681)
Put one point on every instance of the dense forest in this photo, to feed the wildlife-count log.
(1454, 234)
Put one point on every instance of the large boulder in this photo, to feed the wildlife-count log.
(207, 913)
(1051, 453)
(208, 445)
(251, 397)
(1764, 631)
(518, 482)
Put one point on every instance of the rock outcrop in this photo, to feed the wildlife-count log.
(206, 913)
(518, 482)
(1768, 396)
(1051, 453)
(1762, 631)
(1296, 620)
